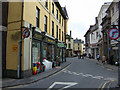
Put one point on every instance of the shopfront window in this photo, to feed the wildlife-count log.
(49, 53)
(36, 51)
(45, 50)
(63, 54)
(53, 50)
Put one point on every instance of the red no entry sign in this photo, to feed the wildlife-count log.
(26, 33)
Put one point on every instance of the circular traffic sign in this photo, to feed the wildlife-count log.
(26, 33)
(113, 33)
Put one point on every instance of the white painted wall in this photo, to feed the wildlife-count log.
(27, 50)
(27, 54)
(101, 15)
(93, 38)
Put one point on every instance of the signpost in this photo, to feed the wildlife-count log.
(25, 34)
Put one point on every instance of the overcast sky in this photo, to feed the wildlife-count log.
(81, 14)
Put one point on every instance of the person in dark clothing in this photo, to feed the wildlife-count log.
(89, 55)
(111, 59)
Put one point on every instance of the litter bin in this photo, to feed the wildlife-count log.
(34, 69)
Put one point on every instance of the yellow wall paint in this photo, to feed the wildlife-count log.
(29, 15)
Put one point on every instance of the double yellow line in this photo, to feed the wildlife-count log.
(101, 87)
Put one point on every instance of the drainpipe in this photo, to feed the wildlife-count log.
(21, 40)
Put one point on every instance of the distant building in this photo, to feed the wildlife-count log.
(94, 36)
(78, 46)
(87, 42)
(69, 42)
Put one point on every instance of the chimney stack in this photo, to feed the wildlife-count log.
(70, 33)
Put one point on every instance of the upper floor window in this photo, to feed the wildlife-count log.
(57, 14)
(117, 7)
(45, 24)
(46, 4)
(62, 22)
(69, 45)
(96, 34)
(52, 8)
(112, 11)
(60, 19)
(62, 35)
(37, 16)
(57, 31)
(59, 34)
(52, 28)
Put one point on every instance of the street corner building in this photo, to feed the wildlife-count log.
(47, 22)
(78, 46)
(69, 42)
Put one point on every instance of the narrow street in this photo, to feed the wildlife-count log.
(82, 73)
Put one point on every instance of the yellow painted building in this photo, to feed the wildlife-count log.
(78, 46)
(46, 21)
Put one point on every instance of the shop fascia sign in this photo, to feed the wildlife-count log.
(50, 40)
(37, 35)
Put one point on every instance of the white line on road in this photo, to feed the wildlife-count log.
(88, 75)
(69, 84)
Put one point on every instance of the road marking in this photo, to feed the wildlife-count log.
(69, 84)
(61, 70)
(111, 79)
(109, 69)
(89, 75)
(100, 85)
(105, 84)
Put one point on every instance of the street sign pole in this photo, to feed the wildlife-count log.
(119, 48)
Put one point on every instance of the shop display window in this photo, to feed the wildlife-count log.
(45, 50)
(36, 51)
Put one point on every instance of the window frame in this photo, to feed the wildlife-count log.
(37, 17)
(52, 28)
(45, 23)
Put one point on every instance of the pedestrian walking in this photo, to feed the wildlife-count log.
(98, 57)
(79, 55)
(103, 59)
(89, 55)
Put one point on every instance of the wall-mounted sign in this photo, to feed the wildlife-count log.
(26, 33)
(15, 48)
(113, 33)
(50, 40)
(60, 45)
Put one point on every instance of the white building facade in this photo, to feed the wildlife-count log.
(96, 34)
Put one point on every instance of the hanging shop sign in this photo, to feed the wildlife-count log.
(114, 33)
(26, 33)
